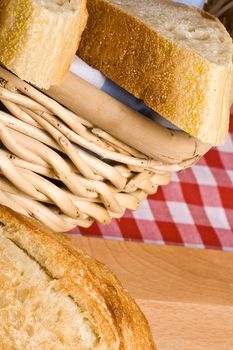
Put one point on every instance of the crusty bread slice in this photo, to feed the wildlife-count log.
(175, 58)
(39, 38)
(53, 296)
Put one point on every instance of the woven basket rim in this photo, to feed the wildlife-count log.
(53, 163)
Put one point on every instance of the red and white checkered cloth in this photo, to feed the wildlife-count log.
(195, 209)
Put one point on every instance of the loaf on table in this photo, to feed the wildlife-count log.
(53, 296)
(175, 58)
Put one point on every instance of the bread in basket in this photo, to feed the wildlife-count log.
(89, 157)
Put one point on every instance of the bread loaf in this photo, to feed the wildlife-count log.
(175, 58)
(39, 38)
(53, 296)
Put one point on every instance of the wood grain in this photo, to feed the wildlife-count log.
(186, 294)
(180, 326)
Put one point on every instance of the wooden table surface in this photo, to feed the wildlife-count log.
(186, 294)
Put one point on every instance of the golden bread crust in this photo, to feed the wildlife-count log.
(38, 41)
(110, 311)
(188, 90)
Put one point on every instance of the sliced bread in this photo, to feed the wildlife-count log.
(39, 38)
(55, 297)
(176, 58)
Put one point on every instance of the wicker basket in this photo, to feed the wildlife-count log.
(62, 170)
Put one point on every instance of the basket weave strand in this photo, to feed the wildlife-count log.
(60, 169)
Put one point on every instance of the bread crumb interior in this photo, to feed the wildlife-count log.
(58, 5)
(32, 314)
(195, 30)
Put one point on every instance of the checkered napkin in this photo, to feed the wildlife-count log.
(195, 209)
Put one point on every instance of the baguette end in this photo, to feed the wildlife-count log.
(38, 41)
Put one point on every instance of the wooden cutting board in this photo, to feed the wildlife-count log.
(186, 294)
